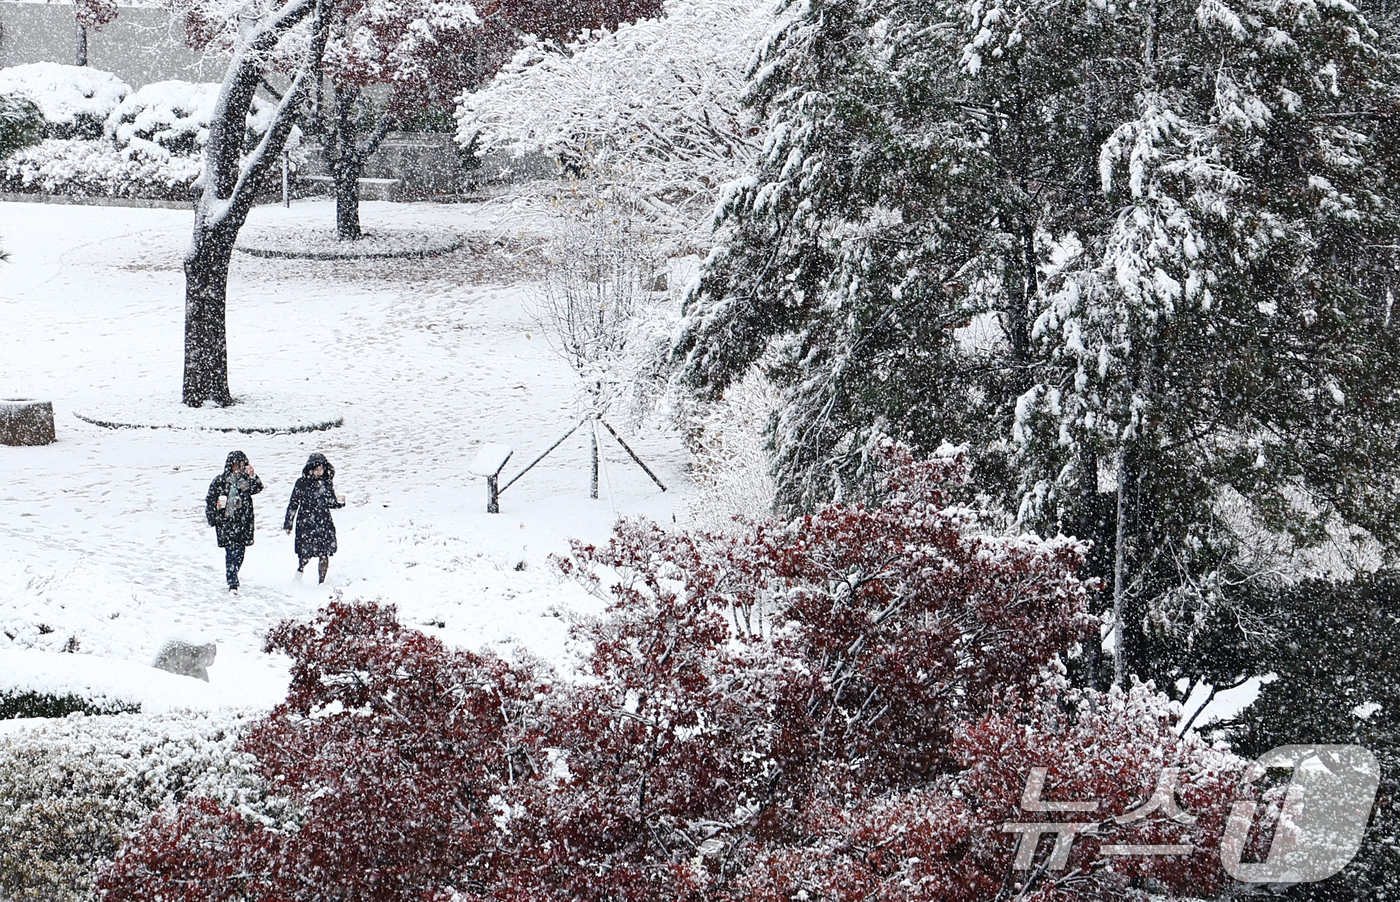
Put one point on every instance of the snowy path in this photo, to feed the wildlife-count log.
(102, 537)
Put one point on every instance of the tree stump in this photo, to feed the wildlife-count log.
(25, 422)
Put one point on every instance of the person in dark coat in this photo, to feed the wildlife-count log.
(313, 499)
(229, 509)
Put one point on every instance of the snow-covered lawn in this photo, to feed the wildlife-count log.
(103, 544)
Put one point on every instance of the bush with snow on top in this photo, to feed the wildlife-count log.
(842, 707)
(97, 168)
(75, 100)
(37, 683)
(171, 118)
(15, 705)
(148, 144)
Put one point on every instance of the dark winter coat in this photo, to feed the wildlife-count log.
(234, 524)
(310, 508)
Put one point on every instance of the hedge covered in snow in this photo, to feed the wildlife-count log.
(104, 139)
(85, 167)
(72, 790)
(75, 100)
(172, 118)
(38, 683)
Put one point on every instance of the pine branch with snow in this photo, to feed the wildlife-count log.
(1151, 297)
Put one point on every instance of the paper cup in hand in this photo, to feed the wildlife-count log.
(223, 501)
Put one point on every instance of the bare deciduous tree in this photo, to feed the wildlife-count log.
(601, 305)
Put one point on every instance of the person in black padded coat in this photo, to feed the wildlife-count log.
(313, 499)
(228, 507)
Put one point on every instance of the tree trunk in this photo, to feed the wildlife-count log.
(1120, 563)
(345, 156)
(1092, 522)
(593, 481)
(1132, 651)
(80, 57)
(346, 162)
(206, 341)
(1022, 287)
(346, 171)
(231, 180)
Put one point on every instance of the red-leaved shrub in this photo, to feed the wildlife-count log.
(394, 747)
(844, 707)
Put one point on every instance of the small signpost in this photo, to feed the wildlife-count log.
(490, 460)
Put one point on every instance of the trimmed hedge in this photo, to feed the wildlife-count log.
(39, 704)
(72, 790)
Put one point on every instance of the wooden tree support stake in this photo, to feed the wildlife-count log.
(632, 454)
(542, 456)
(490, 460)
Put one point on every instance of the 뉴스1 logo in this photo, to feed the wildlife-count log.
(1323, 818)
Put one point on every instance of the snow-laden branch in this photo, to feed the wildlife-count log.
(654, 105)
(229, 180)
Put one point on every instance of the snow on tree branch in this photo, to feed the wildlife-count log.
(228, 176)
(654, 105)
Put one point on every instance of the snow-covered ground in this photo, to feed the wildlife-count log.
(103, 544)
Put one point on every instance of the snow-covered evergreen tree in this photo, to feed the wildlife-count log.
(891, 223)
(1137, 256)
(1221, 351)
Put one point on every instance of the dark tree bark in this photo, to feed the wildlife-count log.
(347, 199)
(230, 182)
(80, 57)
(206, 337)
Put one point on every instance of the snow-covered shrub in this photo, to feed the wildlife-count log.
(21, 124)
(394, 747)
(98, 168)
(164, 118)
(171, 118)
(43, 704)
(654, 106)
(75, 100)
(71, 791)
(151, 145)
(730, 460)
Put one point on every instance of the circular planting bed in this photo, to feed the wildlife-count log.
(318, 243)
(253, 412)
